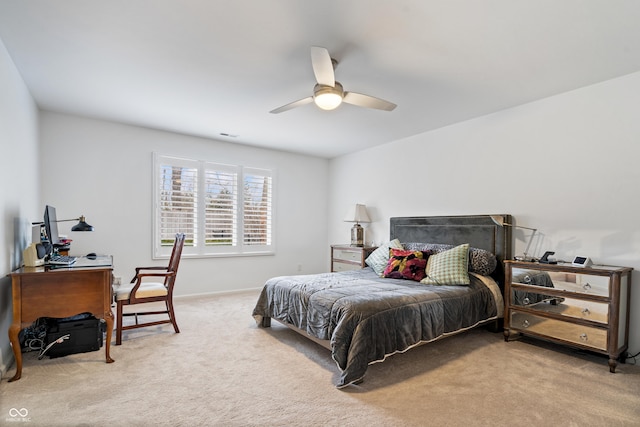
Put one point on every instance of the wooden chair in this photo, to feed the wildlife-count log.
(140, 291)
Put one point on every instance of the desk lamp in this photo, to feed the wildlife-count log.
(80, 226)
(499, 220)
(357, 214)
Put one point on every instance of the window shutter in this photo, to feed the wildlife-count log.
(178, 203)
(221, 225)
(257, 209)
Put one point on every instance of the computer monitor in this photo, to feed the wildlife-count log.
(51, 226)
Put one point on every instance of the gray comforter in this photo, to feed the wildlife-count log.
(367, 317)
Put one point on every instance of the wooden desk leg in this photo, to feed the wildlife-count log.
(14, 330)
(108, 317)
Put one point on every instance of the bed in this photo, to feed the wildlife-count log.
(364, 318)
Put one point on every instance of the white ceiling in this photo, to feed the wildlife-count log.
(212, 67)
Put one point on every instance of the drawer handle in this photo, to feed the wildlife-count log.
(525, 323)
(586, 286)
(586, 311)
(584, 337)
(525, 301)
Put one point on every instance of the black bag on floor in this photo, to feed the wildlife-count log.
(76, 334)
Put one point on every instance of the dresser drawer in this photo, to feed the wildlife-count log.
(567, 307)
(347, 255)
(568, 332)
(343, 266)
(578, 283)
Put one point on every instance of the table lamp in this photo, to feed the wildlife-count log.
(80, 226)
(499, 220)
(357, 214)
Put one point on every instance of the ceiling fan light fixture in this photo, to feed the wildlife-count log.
(328, 94)
(328, 97)
(328, 101)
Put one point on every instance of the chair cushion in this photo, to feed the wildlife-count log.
(146, 290)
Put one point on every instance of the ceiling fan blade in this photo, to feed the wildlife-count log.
(292, 105)
(368, 101)
(322, 66)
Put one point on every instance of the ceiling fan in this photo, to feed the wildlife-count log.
(328, 94)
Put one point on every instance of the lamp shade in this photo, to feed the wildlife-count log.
(82, 225)
(500, 220)
(357, 213)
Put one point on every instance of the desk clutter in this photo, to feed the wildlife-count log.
(70, 261)
(57, 337)
(62, 259)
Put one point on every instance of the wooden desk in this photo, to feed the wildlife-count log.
(59, 292)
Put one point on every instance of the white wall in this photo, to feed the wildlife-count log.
(568, 165)
(103, 170)
(19, 188)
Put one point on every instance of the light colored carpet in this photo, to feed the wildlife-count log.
(222, 370)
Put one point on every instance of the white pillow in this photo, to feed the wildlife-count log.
(379, 258)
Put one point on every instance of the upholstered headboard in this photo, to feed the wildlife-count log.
(479, 231)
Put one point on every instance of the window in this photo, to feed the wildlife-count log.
(222, 209)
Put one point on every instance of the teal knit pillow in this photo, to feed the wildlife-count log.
(379, 258)
(448, 267)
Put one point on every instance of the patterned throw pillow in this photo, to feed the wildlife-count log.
(379, 258)
(480, 261)
(448, 267)
(406, 264)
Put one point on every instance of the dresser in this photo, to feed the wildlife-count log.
(345, 257)
(583, 307)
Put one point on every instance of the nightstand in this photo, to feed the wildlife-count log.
(583, 307)
(345, 257)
